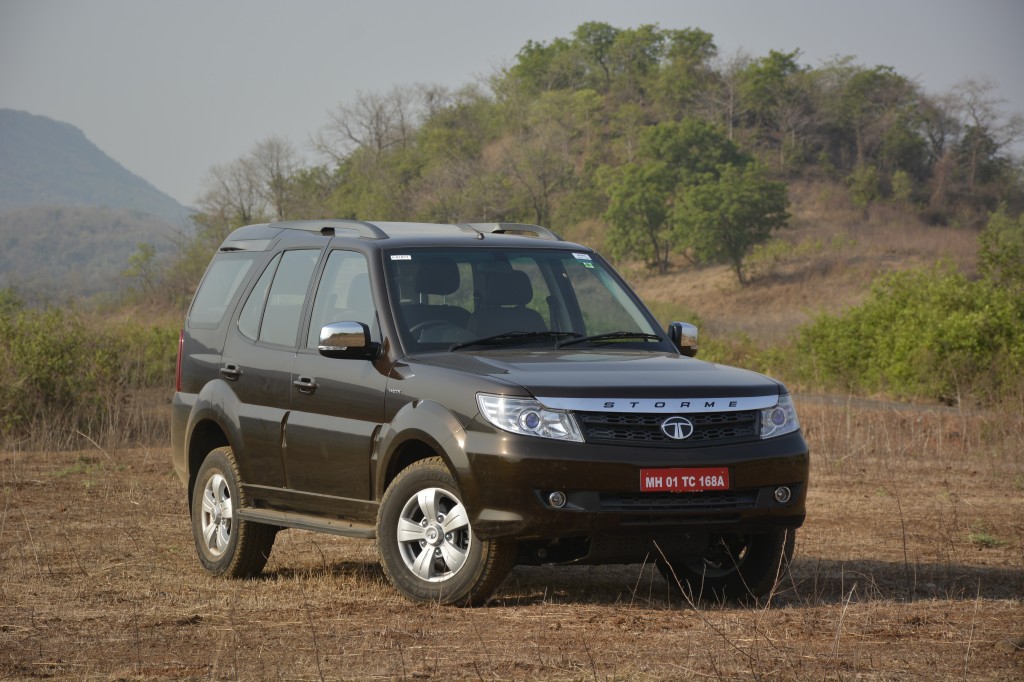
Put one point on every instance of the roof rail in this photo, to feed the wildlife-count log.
(535, 231)
(328, 228)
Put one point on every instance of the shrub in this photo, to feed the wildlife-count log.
(61, 371)
(926, 334)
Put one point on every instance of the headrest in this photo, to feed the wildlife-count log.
(359, 295)
(507, 288)
(437, 275)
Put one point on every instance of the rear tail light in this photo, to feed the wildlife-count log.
(177, 367)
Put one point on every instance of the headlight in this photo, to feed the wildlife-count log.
(781, 419)
(527, 417)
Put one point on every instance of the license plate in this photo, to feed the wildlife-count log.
(684, 480)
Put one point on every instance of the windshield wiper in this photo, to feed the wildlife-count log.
(610, 336)
(511, 337)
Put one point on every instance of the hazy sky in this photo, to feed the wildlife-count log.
(170, 88)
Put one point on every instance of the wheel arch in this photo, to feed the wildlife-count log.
(418, 431)
(213, 423)
(207, 436)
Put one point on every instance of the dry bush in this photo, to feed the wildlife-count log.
(910, 566)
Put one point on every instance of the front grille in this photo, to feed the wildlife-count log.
(712, 500)
(645, 429)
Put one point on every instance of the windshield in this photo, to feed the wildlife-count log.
(461, 298)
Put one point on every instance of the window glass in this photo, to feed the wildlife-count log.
(605, 306)
(287, 295)
(454, 295)
(226, 274)
(532, 269)
(249, 319)
(343, 296)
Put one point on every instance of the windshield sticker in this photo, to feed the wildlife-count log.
(588, 264)
(581, 256)
(402, 257)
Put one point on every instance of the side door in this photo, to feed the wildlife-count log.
(258, 354)
(337, 404)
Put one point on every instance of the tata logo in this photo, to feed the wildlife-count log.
(677, 428)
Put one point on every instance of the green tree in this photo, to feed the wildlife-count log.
(720, 220)
(594, 40)
(687, 68)
(776, 93)
(637, 210)
(674, 158)
(693, 149)
(636, 58)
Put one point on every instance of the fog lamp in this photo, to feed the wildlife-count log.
(557, 499)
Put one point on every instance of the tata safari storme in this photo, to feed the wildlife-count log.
(473, 397)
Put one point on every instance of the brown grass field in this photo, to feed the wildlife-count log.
(910, 566)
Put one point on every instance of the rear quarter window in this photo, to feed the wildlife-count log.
(224, 277)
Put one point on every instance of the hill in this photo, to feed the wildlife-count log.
(70, 216)
(58, 253)
(46, 162)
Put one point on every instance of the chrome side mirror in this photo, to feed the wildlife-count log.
(345, 340)
(684, 337)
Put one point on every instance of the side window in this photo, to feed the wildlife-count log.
(222, 280)
(252, 311)
(286, 297)
(343, 295)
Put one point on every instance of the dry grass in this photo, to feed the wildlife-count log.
(910, 566)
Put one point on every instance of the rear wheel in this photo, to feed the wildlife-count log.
(735, 568)
(225, 544)
(427, 546)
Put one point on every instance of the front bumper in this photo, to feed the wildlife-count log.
(512, 476)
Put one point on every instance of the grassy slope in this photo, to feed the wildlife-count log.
(826, 261)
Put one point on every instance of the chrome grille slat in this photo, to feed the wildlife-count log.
(645, 429)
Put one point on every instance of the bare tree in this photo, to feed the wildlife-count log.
(235, 193)
(720, 101)
(987, 130)
(539, 165)
(940, 123)
(374, 122)
(276, 162)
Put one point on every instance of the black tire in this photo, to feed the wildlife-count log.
(735, 568)
(226, 545)
(427, 547)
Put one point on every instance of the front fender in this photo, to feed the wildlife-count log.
(432, 425)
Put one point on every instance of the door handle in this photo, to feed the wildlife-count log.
(306, 385)
(231, 371)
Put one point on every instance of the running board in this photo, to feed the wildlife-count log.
(273, 517)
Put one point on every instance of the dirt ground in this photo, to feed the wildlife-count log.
(910, 566)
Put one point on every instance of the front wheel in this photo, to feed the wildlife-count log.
(735, 567)
(226, 545)
(427, 546)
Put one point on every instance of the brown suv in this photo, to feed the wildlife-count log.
(472, 396)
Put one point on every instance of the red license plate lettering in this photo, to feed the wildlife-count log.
(684, 480)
